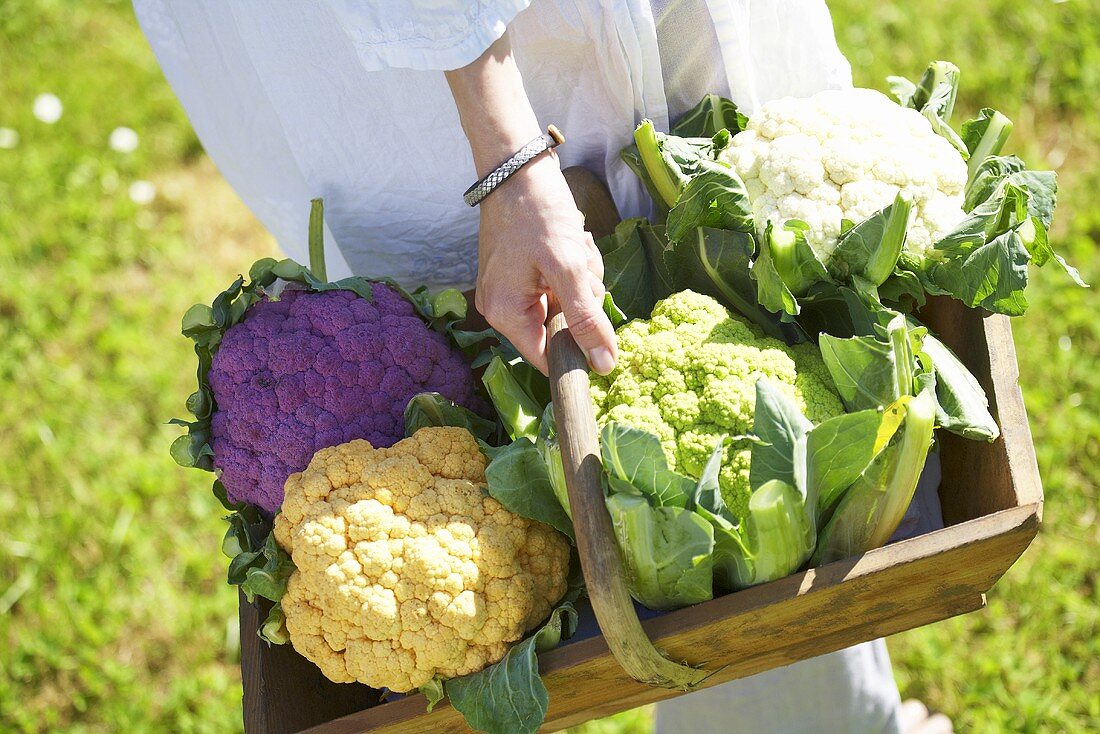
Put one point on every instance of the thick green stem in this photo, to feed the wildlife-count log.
(996, 133)
(645, 136)
(873, 507)
(884, 259)
(317, 239)
(520, 413)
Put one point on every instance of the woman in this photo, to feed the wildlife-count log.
(390, 110)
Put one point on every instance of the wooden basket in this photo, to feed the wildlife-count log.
(992, 504)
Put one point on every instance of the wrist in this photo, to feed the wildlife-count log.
(493, 107)
(494, 145)
(539, 179)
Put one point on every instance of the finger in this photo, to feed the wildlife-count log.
(935, 724)
(595, 259)
(912, 713)
(524, 327)
(589, 325)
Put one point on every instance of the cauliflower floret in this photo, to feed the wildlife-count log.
(689, 375)
(406, 568)
(845, 154)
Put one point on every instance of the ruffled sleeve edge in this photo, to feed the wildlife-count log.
(452, 52)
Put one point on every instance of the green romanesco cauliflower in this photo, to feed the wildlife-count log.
(689, 374)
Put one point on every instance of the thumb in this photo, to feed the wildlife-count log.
(580, 296)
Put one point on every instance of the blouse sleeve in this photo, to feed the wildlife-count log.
(423, 34)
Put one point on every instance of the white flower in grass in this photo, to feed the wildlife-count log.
(142, 192)
(123, 140)
(47, 108)
(8, 138)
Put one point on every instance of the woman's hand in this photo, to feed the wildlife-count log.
(533, 252)
(533, 255)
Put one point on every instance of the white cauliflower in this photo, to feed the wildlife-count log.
(845, 154)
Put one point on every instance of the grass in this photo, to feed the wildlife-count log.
(113, 611)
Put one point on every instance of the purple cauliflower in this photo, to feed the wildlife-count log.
(316, 369)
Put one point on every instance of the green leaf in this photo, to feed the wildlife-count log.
(267, 573)
(287, 269)
(550, 450)
(993, 276)
(838, 450)
(449, 303)
(509, 697)
(433, 691)
(868, 371)
(1042, 192)
(902, 89)
(1042, 253)
(871, 248)
(707, 494)
(778, 423)
(636, 456)
(667, 551)
(717, 263)
(200, 404)
(662, 168)
(432, 409)
(510, 387)
(873, 506)
(772, 541)
(274, 629)
(518, 479)
(260, 272)
(987, 178)
(962, 406)
(715, 197)
(614, 314)
(731, 559)
(359, 286)
(786, 267)
(632, 157)
(984, 136)
(939, 76)
(181, 451)
(197, 319)
(465, 339)
(222, 496)
(934, 97)
(1005, 210)
(902, 291)
(773, 292)
(635, 271)
(712, 114)
(1018, 196)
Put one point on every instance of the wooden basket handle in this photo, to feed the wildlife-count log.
(599, 554)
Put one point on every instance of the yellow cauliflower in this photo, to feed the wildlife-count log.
(407, 568)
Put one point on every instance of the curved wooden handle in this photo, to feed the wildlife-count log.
(600, 560)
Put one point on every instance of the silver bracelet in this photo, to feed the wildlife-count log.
(477, 193)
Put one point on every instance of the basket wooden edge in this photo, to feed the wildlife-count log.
(945, 609)
(1022, 521)
(1011, 412)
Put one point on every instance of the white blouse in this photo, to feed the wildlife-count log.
(346, 99)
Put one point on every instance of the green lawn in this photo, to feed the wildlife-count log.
(113, 611)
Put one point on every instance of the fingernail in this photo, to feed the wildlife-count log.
(601, 360)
